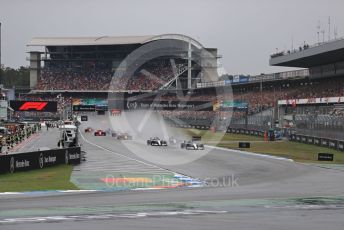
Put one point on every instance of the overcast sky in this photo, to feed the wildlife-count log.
(245, 32)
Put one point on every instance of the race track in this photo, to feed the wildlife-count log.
(238, 191)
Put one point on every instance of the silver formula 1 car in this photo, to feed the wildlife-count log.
(156, 141)
(193, 144)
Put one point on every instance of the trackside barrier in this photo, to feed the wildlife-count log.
(39, 159)
(324, 142)
(245, 131)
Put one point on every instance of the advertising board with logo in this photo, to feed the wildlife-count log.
(34, 106)
(39, 159)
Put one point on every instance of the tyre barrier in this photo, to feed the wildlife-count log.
(39, 159)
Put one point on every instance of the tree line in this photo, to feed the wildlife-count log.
(18, 78)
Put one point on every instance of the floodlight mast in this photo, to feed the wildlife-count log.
(189, 64)
(0, 57)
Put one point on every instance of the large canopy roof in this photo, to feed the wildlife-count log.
(88, 41)
(322, 54)
(107, 40)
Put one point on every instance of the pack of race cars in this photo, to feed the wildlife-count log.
(193, 144)
(117, 135)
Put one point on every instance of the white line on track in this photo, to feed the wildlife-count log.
(127, 157)
(251, 153)
(41, 219)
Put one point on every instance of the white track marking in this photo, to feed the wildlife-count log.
(124, 156)
(41, 219)
(250, 153)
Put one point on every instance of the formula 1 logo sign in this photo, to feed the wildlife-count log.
(38, 106)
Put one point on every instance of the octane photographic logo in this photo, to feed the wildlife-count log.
(153, 111)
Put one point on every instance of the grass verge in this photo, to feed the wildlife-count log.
(297, 151)
(50, 178)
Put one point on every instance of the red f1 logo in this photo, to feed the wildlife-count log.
(38, 106)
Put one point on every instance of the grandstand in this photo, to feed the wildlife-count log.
(320, 111)
(309, 101)
(86, 68)
(90, 63)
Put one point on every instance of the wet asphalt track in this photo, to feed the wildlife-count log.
(267, 194)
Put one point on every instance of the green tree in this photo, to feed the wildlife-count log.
(15, 77)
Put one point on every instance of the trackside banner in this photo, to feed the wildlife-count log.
(34, 106)
(161, 105)
(39, 159)
(177, 105)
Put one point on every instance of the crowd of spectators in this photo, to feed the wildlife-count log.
(154, 74)
(267, 97)
(196, 117)
(65, 79)
(282, 53)
(260, 99)
(150, 76)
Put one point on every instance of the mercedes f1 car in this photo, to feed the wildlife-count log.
(190, 145)
(100, 133)
(156, 141)
(193, 144)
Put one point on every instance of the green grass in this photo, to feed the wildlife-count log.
(209, 136)
(293, 150)
(50, 178)
(297, 151)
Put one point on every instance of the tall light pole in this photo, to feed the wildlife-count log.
(261, 99)
(329, 28)
(0, 58)
(318, 32)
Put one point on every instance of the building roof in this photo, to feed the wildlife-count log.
(322, 54)
(85, 41)
(108, 40)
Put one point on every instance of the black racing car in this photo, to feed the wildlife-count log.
(156, 141)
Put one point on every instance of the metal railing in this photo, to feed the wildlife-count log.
(294, 74)
(303, 48)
